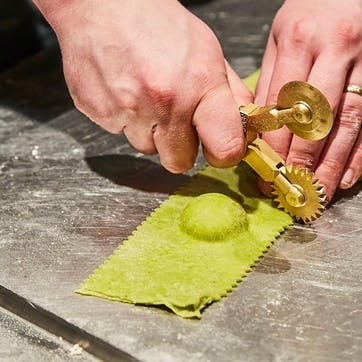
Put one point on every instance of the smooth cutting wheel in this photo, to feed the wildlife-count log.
(313, 191)
(309, 98)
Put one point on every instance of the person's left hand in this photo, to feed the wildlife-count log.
(319, 42)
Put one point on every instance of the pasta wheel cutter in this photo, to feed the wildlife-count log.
(307, 113)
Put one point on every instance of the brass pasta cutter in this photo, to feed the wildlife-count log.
(307, 113)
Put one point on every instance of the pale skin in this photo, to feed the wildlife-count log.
(155, 72)
(319, 42)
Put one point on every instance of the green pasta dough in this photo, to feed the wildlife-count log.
(195, 247)
(251, 80)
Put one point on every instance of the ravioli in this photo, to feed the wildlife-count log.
(194, 248)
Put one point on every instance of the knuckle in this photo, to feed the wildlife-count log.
(98, 109)
(350, 119)
(297, 37)
(128, 101)
(101, 115)
(332, 167)
(201, 76)
(126, 97)
(163, 97)
(302, 158)
(348, 34)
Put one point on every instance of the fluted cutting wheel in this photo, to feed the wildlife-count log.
(315, 199)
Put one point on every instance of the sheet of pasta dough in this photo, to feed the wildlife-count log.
(193, 249)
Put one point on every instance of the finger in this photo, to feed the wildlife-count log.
(279, 140)
(177, 144)
(353, 169)
(218, 124)
(140, 138)
(241, 93)
(331, 86)
(308, 153)
(288, 67)
(265, 188)
(266, 71)
(340, 143)
(290, 63)
(293, 62)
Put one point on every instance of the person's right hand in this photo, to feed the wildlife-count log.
(155, 72)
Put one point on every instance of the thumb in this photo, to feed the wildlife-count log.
(218, 124)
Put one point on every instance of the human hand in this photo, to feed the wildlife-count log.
(319, 42)
(152, 71)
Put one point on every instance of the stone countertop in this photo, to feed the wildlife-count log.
(71, 193)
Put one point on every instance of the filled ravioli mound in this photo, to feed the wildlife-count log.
(213, 216)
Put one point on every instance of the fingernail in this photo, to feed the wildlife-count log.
(347, 180)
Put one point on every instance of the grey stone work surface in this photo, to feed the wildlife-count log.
(70, 193)
(22, 341)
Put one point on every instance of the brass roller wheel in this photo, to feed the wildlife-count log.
(315, 199)
(320, 121)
